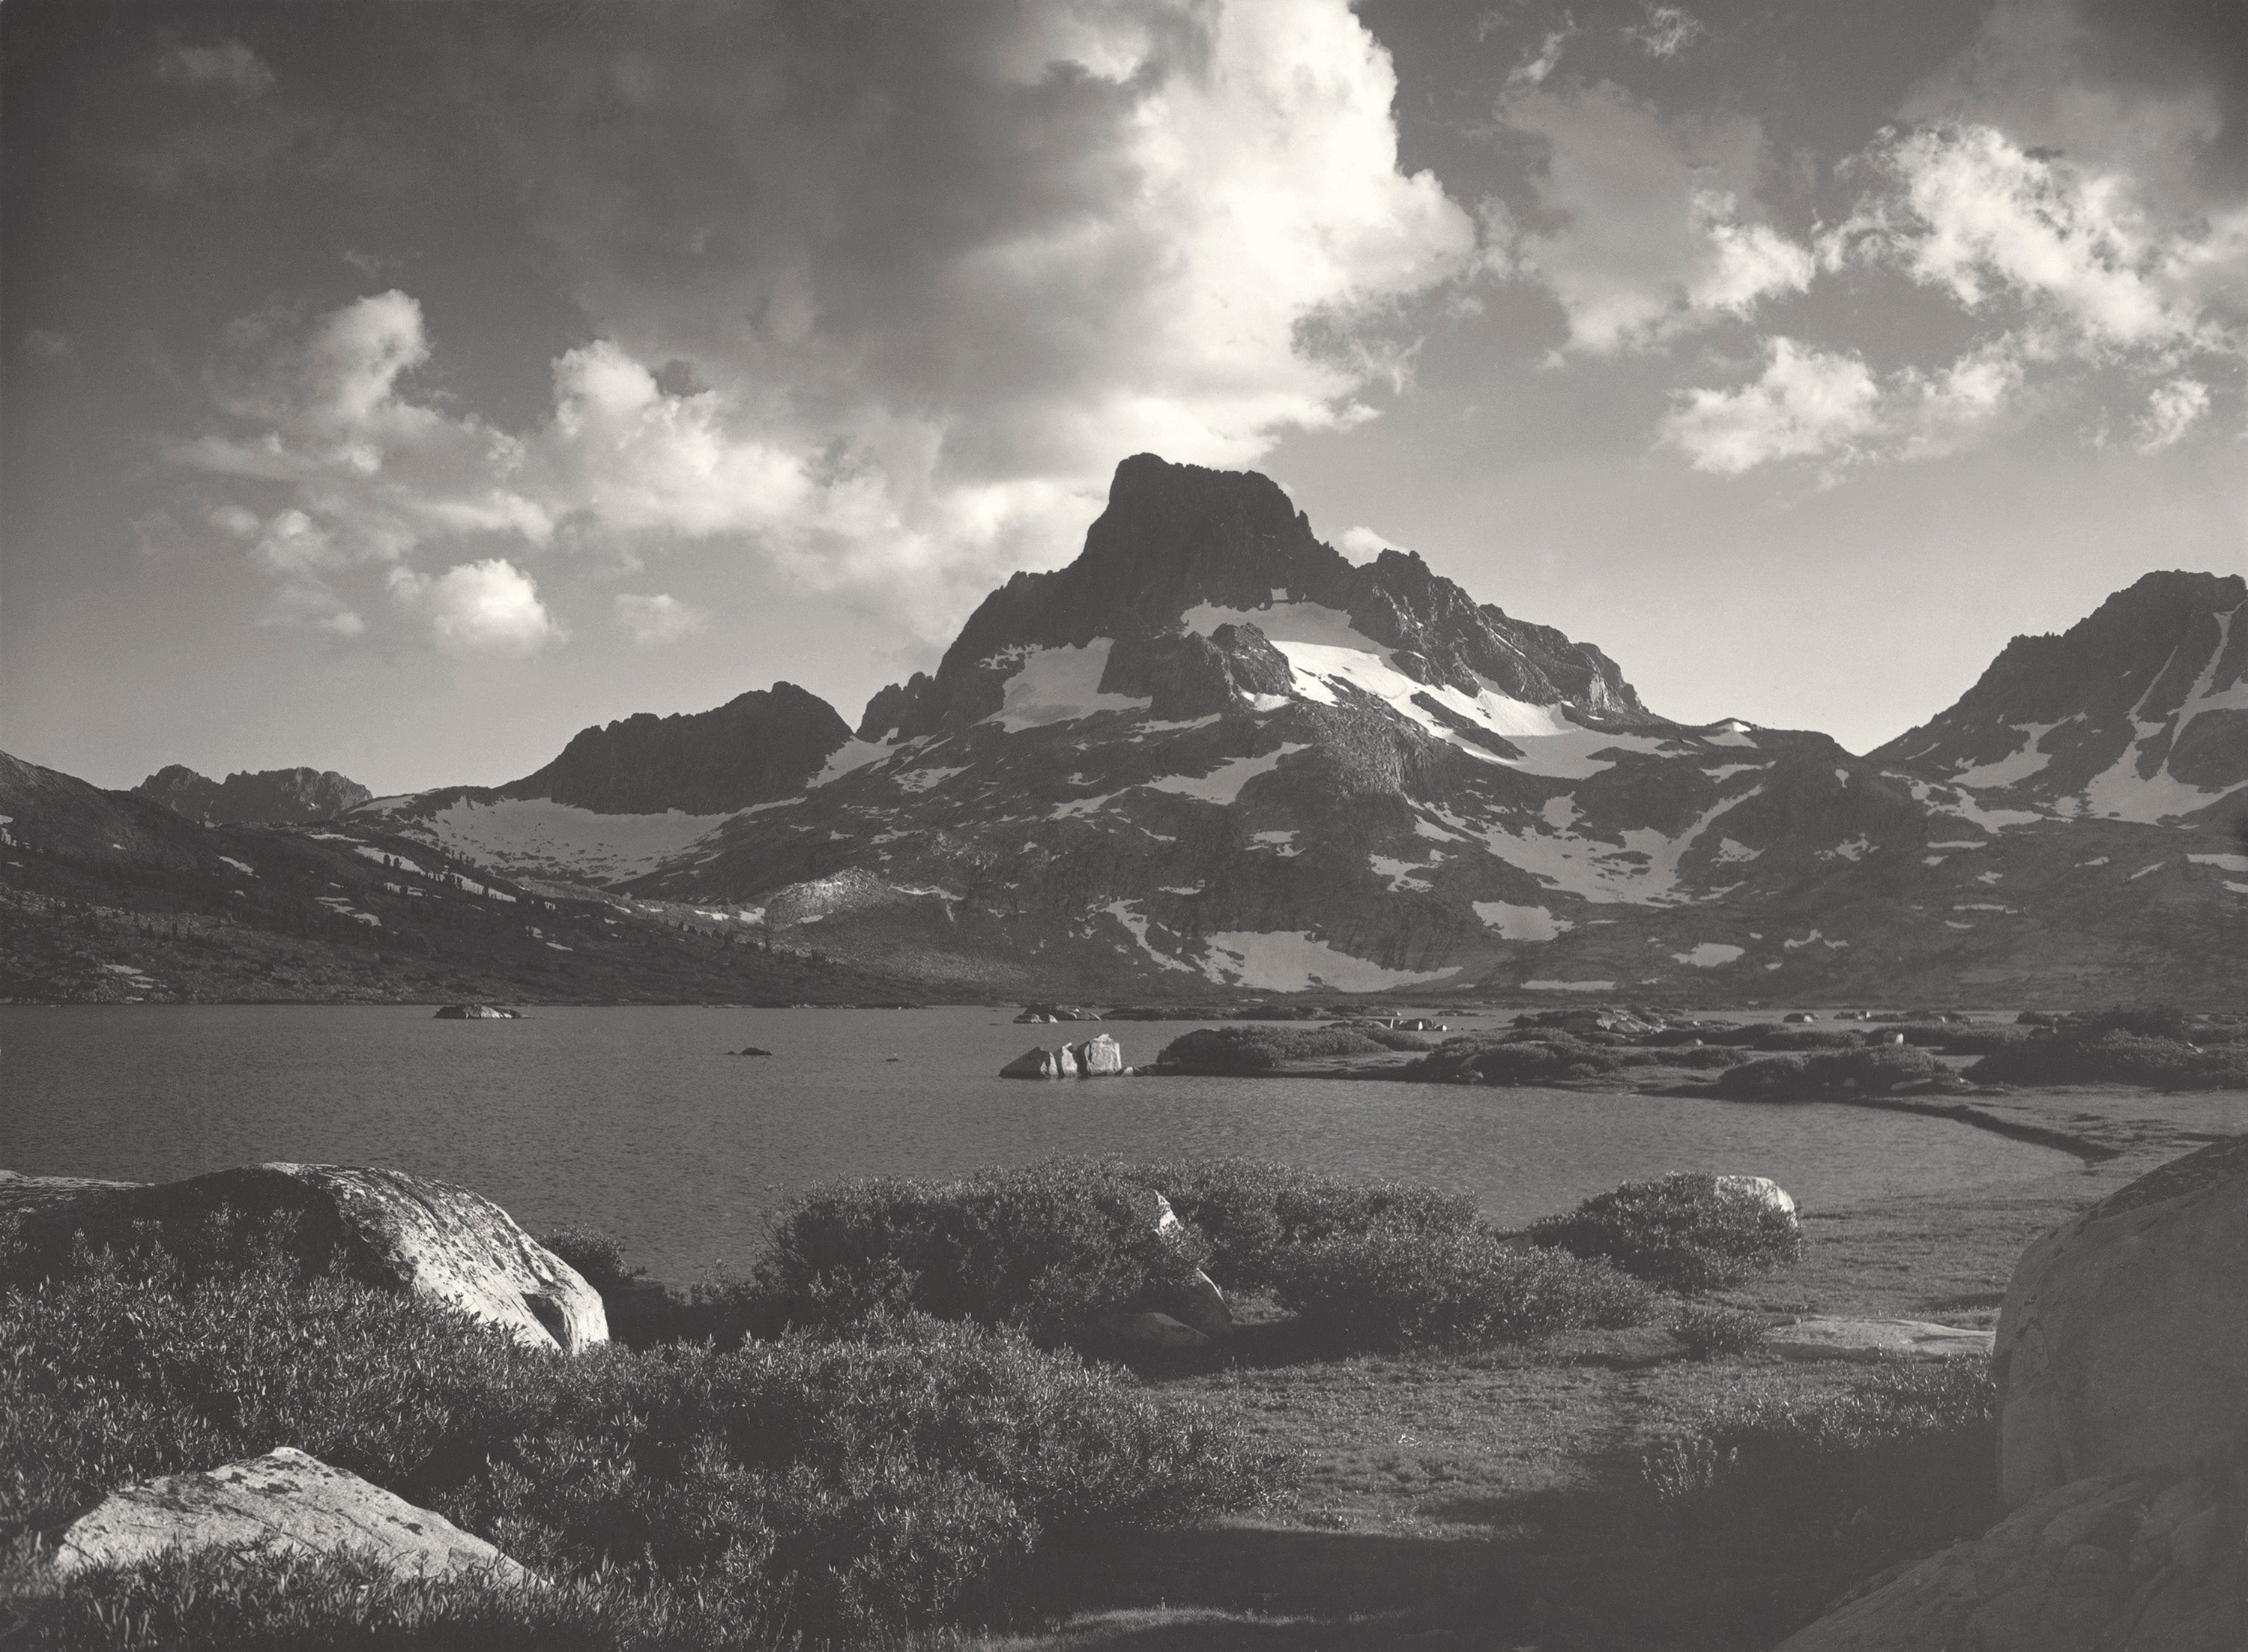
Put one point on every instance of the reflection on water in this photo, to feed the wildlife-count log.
(638, 1121)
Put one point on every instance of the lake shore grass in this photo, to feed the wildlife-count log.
(1501, 1497)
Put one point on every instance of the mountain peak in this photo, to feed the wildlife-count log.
(2138, 711)
(762, 744)
(271, 797)
(1183, 547)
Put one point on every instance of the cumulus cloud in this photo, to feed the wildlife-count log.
(1664, 30)
(653, 620)
(1807, 404)
(1645, 226)
(1363, 542)
(1830, 406)
(1969, 210)
(911, 284)
(230, 65)
(489, 607)
(2172, 411)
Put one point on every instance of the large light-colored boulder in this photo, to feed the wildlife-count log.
(286, 1500)
(1149, 1331)
(386, 1228)
(1761, 1188)
(2126, 1563)
(1198, 1302)
(1099, 1058)
(2122, 1344)
(1825, 1337)
(1096, 1057)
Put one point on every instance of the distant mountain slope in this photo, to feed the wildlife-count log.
(272, 797)
(1212, 754)
(110, 896)
(2139, 712)
(759, 745)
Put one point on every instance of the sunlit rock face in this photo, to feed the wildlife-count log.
(1212, 751)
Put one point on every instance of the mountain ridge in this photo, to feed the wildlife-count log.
(1213, 753)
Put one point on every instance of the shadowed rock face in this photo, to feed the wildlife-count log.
(385, 1228)
(288, 1500)
(759, 745)
(2123, 1340)
(2150, 1562)
(274, 797)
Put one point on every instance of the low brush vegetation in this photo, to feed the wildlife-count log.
(1685, 1231)
(1900, 1466)
(1866, 1070)
(820, 1489)
(1049, 1248)
(1395, 1286)
(2158, 1051)
(1259, 1047)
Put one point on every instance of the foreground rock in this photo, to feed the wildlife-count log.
(1199, 1303)
(386, 1228)
(1837, 1338)
(1761, 1189)
(2122, 1345)
(287, 1500)
(1098, 1058)
(2151, 1562)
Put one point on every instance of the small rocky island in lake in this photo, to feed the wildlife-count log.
(477, 1012)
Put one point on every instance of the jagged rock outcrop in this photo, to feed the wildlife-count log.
(287, 1501)
(385, 1228)
(271, 797)
(758, 746)
(1096, 1057)
(2138, 712)
(2150, 1562)
(2122, 1345)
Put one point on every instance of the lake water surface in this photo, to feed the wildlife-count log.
(638, 1121)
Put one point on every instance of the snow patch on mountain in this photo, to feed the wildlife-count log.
(1060, 685)
(1223, 785)
(1127, 913)
(1293, 961)
(2013, 768)
(535, 836)
(1709, 955)
(1512, 922)
(1328, 654)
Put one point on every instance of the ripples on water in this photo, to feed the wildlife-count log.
(639, 1121)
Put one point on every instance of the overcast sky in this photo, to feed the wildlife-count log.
(397, 388)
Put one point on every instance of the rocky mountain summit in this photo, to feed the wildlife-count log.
(1214, 751)
(272, 797)
(2138, 713)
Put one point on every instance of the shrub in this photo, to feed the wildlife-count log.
(242, 1601)
(812, 1487)
(1681, 1231)
(1393, 1286)
(1537, 1056)
(1897, 1466)
(1707, 1329)
(599, 1258)
(2096, 1055)
(1806, 1038)
(1254, 1212)
(1705, 1059)
(1259, 1047)
(1045, 1249)
(1868, 1069)
(1756, 1080)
